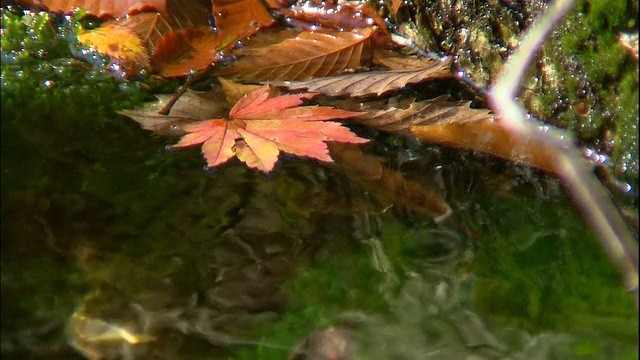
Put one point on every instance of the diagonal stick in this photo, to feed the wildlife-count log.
(579, 181)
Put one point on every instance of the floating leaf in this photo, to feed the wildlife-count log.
(310, 54)
(456, 124)
(191, 106)
(342, 16)
(121, 43)
(490, 136)
(260, 126)
(180, 53)
(240, 18)
(402, 118)
(150, 27)
(373, 82)
(397, 61)
(234, 91)
(107, 8)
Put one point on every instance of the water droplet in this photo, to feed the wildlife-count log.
(170, 149)
(174, 128)
(209, 170)
(49, 84)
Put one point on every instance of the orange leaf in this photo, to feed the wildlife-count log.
(490, 136)
(240, 18)
(178, 53)
(343, 16)
(121, 43)
(261, 126)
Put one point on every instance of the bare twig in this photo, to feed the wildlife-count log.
(190, 80)
(580, 182)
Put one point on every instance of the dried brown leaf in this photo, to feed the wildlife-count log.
(396, 61)
(373, 82)
(192, 106)
(310, 54)
(395, 119)
(234, 91)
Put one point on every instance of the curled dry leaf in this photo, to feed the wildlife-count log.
(260, 126)
(310, 54)
(373, 82)
(107, 8)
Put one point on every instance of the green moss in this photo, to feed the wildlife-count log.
(41, 77)
(593, 67)
(550, 274)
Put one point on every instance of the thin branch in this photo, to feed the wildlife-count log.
(192, 78)
(579, 180)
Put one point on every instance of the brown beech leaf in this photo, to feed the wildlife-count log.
(388, 186)
(191, 106)
(373, 82)
(240, 18)
(260, 126)
(310, 54)
(107, 8)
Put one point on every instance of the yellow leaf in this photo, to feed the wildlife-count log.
(121, 43)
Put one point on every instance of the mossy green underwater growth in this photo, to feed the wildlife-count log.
(41, 76)
(542, 269)
(590, 67)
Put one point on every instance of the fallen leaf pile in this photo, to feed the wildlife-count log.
(324, 48)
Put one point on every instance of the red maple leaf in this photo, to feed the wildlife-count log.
(260, 126)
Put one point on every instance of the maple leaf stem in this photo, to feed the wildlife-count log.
(190, 80)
